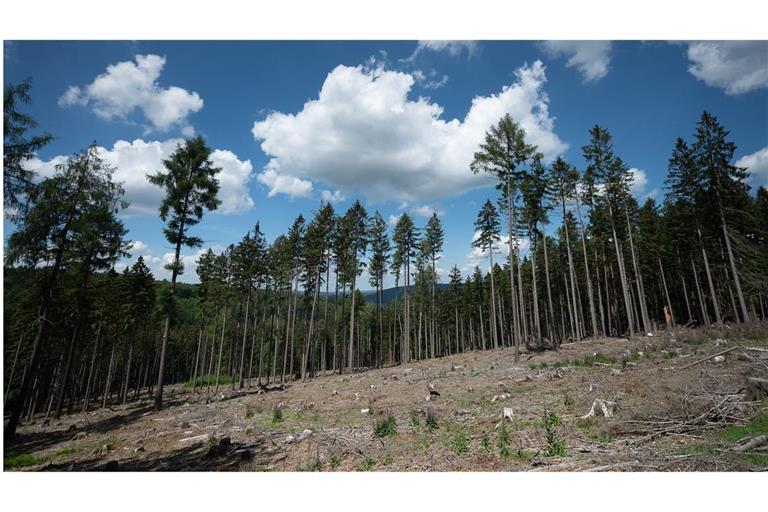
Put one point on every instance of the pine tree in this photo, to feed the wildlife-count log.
(488, 229)
(433, 239)
(377, 268)
(502, 153)
(18, 148)
(406, 241)
(191, 187)
(61, 210)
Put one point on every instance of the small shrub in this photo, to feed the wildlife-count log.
(502, 442)
(568, 401)
(277, 415)
(460, 443)
(431, 421)
(485, 443)
(212, 441)
(555, 442)
(248, 412)
(313, 465)
(387, 460)
(385, 427)
(334, 462)
(367, 464)
(414, 421)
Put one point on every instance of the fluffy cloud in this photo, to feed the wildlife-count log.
(452, 48)
(591, 58)
(332, 197)
(737, 67)
(479, 258)
(639, 181)
(757, 166)
(426, 210)
(363, 134)
(128, 86)
(134, 160)
(284, 184)
(157, 263)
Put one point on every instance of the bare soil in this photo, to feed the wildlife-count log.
(669, 415)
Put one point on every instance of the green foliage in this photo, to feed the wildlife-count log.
(205, 380)
(277, 415)
(568, 400)
(19, 148)
(431, 421)
(415, 420)
(367, 464)
(555, 444)
(503, 439)
(313, 465)
(385, 427)
(334, 462)
(485, 443)
(248, 412)
(758, 425)
(212, 440)
(460, 442)
(67, 450)
(23, 460)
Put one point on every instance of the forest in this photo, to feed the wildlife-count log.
(587, 260)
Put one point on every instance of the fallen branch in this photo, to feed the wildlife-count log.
(707, 358)
(755, 442)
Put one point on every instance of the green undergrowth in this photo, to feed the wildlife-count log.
(23, 460)
(204, 380)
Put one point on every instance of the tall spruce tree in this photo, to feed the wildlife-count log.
(191, 188)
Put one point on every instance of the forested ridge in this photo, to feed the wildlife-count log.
(81, 333)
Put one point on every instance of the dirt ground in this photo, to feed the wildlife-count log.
(666, 414)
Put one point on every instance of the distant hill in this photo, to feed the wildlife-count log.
(390, 294)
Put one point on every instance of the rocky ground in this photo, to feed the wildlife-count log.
(675, 402)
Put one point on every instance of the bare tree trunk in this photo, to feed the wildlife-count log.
(590, 294)
(221, 346)
(109, 377)
(197, 357)
(713, 294)
(705, 316)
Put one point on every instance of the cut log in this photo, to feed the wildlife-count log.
(755, 442)
(707, 358)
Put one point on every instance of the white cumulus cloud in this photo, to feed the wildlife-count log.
(639, 181)
(737, 67)
(129, 86)
(591, 58)
(332, 197)
(134, 160)
(454, 48)
(757, 167)
(363, 134)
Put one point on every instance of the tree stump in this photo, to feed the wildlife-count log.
(757, 389)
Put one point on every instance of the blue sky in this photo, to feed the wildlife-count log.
(393, 123)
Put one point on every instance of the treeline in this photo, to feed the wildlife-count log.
(585, 260)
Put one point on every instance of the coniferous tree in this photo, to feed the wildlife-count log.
(191, 188)
(488, 228)
(377, 268)
(61, 210)
(18, 149)
(501, 154)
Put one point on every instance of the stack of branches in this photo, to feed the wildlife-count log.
(718, 411)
